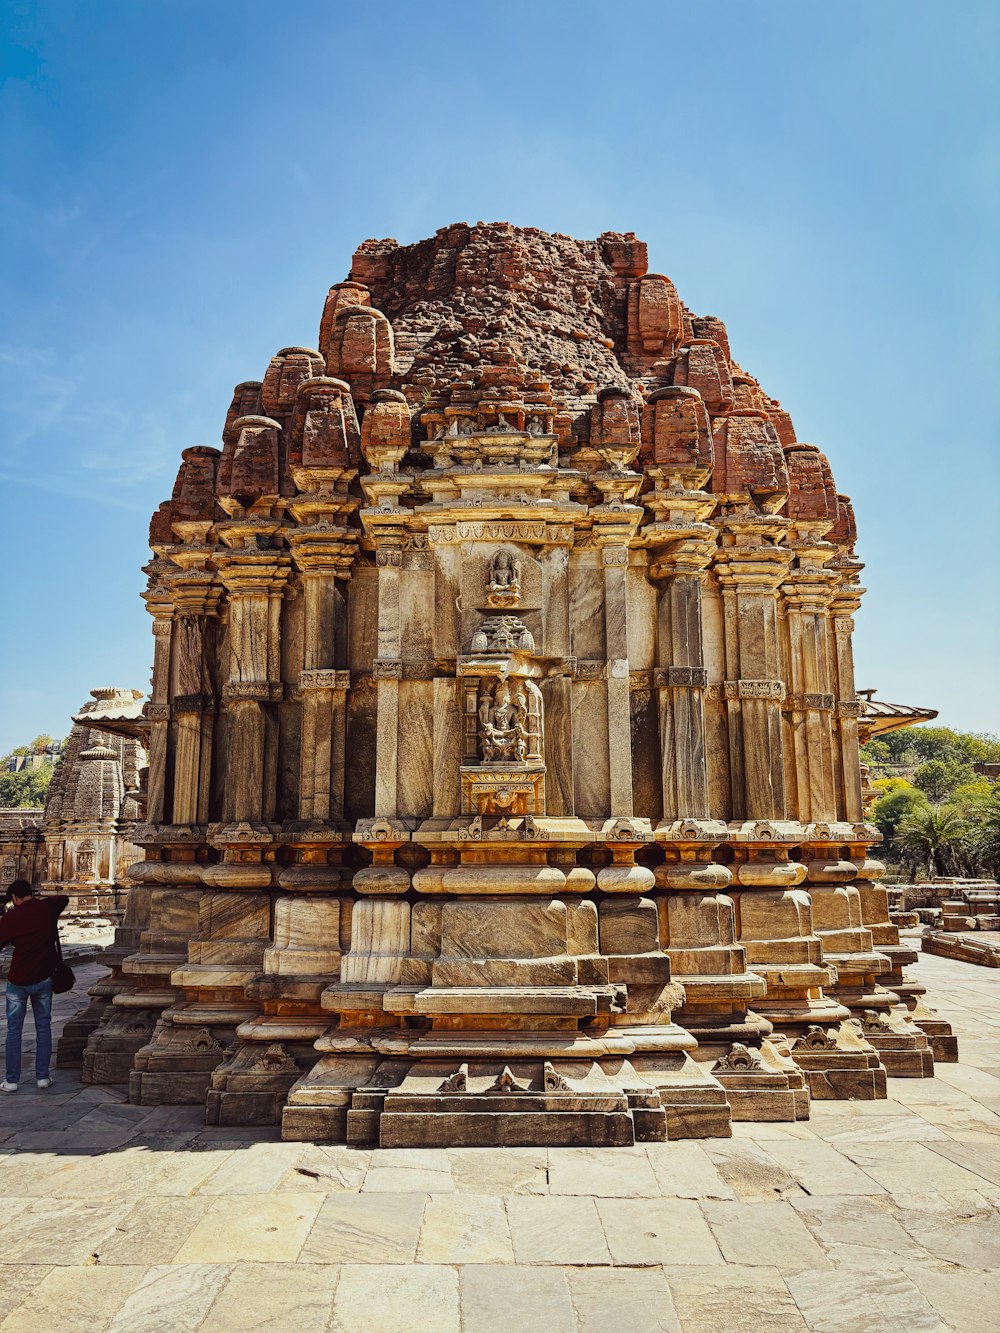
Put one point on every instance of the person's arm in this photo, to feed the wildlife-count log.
(6, 933)
(57, 905)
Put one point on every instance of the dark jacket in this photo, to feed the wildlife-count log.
(31, 927)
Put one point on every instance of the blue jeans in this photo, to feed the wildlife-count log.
(40, 995)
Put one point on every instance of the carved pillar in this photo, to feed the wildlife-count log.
(750, 567)
(254, 579)
(844, 604)
(614, 559)
(323, 683)
(193, 702)
(681, 684)
(848, 709)
(157, 710)
(388, 671)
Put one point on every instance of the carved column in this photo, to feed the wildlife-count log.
(388, 671)
(323, 682)
(157, 710)
(254, 579)
(614, 559)
(193, 703)
(848, 709)
(750, 567)
(810, 703)
(681, 684)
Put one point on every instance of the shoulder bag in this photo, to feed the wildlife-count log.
(63, 977)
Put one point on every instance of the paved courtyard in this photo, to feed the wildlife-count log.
(871, 1216)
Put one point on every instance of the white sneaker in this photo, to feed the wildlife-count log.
(8, 1087)
(45, 1083)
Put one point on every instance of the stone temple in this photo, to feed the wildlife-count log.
(503, 737)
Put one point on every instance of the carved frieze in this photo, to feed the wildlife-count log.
(753, 689)
(680, 677)
(849, 708)
(322, 678)
(260, 691)
(591, 668)
(811, 702)
(387, 668)
(532, 531)
(193, 703)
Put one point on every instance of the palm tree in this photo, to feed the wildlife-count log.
(986, 834)
(931, 837)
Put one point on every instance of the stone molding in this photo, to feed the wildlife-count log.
(323, 678)
(754, 689)
(680, 677)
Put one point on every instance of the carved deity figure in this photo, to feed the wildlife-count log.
(505, 574)
(510, 723)
(86, 859)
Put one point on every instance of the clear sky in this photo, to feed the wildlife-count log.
(181, 181)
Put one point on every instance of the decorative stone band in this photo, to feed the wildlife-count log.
(811, 702)
(753, 689)
(513, 531)
(161, 627)
(388, 557)
(320, 678)
(193, 703)
(614, 555)
(844, 624)
(387, 668)
(381, 829)
(680, 678)
(259, 691)
(849, 707)
(588, 668)
(157, 712)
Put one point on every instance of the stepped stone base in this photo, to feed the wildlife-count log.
(402, 1103)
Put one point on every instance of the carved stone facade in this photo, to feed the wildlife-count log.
(94, 805)
(503, 727)
(79, 843)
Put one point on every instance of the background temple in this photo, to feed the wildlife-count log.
(504, 781)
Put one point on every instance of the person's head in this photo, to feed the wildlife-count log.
(19, 891)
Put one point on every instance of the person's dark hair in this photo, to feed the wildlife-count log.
(20, 888)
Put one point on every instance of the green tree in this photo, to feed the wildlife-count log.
(984, 835)
(932, 838)
(40, 743)
(892, 808)
(876, 753)
(938, 778)
(27, 789)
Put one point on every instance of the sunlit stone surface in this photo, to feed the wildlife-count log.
(504, 783)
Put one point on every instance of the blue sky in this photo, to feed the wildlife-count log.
(181, 182)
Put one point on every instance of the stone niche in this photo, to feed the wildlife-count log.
(503, 730)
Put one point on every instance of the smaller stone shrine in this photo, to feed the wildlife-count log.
(94, 803)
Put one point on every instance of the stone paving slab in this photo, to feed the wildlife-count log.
(869, 1216)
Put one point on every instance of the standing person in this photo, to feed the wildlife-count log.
(30, 924)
